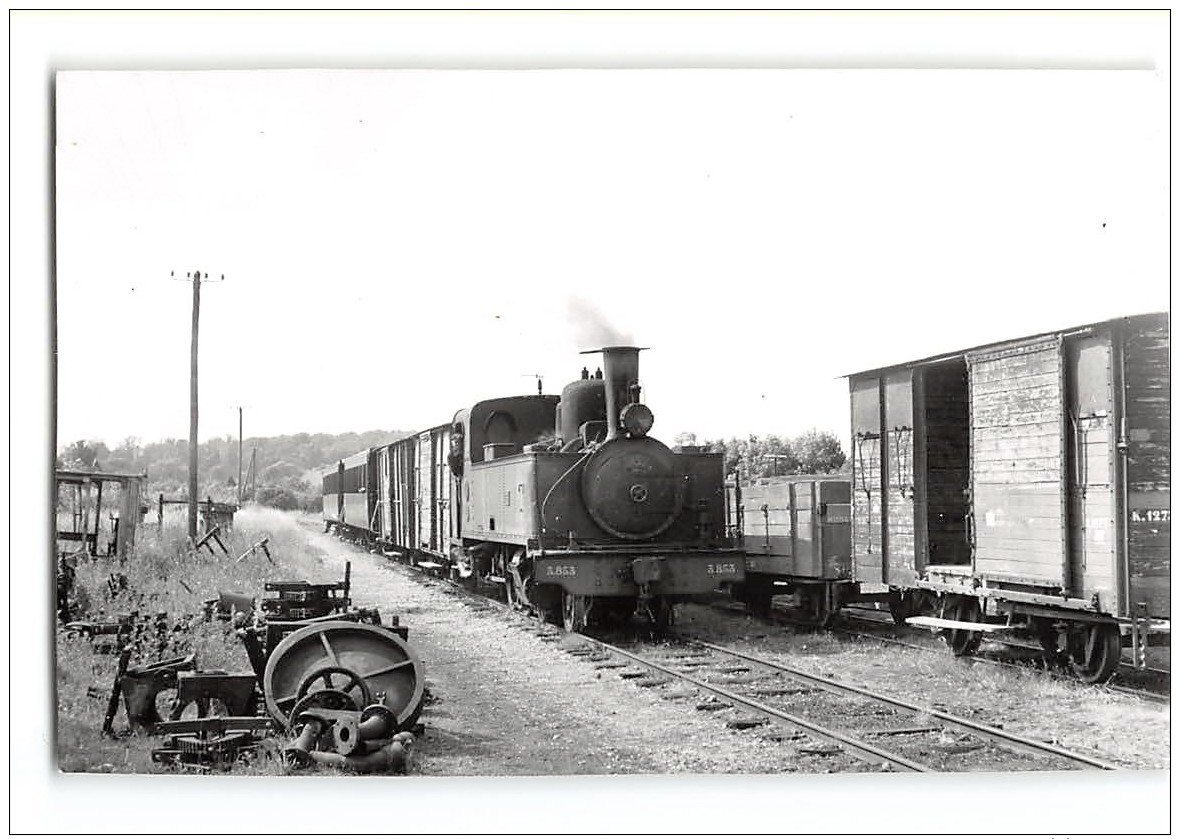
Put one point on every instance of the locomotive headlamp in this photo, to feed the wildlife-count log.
(636, 419)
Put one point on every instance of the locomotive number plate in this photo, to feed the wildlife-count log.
(561, 570)
(721, 568)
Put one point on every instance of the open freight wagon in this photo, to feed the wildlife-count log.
(1023, 485)
(795, 532)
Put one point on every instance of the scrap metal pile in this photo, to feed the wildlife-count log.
(331, 685)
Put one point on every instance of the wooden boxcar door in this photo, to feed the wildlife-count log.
(425, 482)
(803, 530)
(833, 518)
(407, 520)
(867, 509)
(898, 465)
(1091, 436)
(1017, 470)
(384, 495)
(442, 494)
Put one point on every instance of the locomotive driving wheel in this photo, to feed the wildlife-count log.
(575, 610)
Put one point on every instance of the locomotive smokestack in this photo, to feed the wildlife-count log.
(621, 366)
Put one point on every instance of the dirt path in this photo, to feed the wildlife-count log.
(506, 702)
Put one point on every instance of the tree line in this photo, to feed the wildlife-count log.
(813, 452)
(287, 465)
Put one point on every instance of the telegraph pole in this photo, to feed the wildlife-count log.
(239, 455)
(196, 278)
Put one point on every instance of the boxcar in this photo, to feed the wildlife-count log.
(1024, 484)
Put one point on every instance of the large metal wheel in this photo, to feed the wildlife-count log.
(510, 592)
(575, 610)
(387, 666)
(1094, 651)
(963, 642)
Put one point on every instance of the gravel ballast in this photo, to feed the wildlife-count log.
(503, 701)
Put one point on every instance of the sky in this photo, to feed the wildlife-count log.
(398, 244)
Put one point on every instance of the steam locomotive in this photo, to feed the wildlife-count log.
(567, 502)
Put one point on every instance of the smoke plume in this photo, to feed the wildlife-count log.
(590, 327)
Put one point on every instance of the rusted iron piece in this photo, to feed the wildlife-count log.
(214, 726)
(116, 689)
(391, 758)
(254, 651)
(141, 685)
(378, 656)
(277, 630)
(205, 752)
(236, 692)
(227, 604)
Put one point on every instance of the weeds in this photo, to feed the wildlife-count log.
(164, 584)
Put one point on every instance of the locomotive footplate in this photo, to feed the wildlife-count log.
(619, 574)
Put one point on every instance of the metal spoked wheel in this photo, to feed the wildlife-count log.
(574, 610)
(964, 642)
(1094, 651)
(351, 684)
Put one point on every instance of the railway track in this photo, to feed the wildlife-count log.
(883, 631)
(847, 721)
(832, 726)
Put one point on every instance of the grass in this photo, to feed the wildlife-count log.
(162, 575)
(1061, 710)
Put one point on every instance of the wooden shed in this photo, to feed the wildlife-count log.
(1034, 472)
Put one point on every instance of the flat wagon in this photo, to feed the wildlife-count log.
(1022, 485)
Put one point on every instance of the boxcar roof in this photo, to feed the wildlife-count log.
(1039, 336)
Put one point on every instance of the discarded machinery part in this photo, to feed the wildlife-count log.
(235, 691)
(389, 758)
(209, 726)
(116, 689)
(105, 636)
(377, 723)
(205, 751)
(327, 699)
(296, 753)
(254, 652)
(140, 685)
(386, 663)
(339, 732)
(227, 604)
(301, 600)
(276, 630)
(352, 681)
